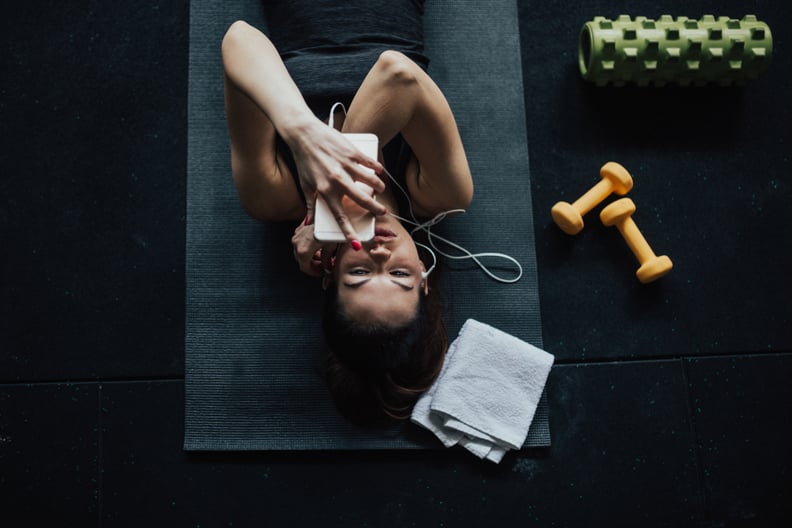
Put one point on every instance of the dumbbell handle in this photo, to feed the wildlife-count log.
(593, 196)
(635, 239)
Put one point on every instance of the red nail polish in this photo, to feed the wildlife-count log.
(307, 219)
(357, 245)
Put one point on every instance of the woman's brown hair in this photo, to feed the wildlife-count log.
(379, 371)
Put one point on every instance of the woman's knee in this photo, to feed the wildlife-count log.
(396, 67)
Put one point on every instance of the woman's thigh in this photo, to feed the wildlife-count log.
(264, 181)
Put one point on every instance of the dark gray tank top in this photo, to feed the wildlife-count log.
(328, 46)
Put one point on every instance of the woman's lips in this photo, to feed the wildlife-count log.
(383, 235)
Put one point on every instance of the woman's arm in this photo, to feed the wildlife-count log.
(397, 96)
(327, 162)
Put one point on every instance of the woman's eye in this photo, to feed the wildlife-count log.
(400, 273)
(358, 272)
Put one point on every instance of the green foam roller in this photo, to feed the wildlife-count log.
(681, 51)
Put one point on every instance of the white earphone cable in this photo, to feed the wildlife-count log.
(426, 227)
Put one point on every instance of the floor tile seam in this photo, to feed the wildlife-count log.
(683, 357)
(704, 498)
(100, 457)
(558, 362)
(87, 381)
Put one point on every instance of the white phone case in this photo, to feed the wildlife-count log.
(326, 228)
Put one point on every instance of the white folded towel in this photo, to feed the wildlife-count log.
(487, 392)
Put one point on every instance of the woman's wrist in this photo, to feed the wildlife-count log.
(296, 129)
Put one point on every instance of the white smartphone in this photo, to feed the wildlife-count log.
(326, 229)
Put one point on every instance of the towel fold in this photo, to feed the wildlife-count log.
(486, 394)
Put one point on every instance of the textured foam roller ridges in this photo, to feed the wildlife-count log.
(680, 51)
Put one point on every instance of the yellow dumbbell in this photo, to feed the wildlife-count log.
(569, 216)
(619, 213)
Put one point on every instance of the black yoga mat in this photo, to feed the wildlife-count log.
(253, 338)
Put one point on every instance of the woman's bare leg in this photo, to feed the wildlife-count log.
(397, 96)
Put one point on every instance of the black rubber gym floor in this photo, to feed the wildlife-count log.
(669, 404)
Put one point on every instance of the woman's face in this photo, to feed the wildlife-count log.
(382, 282)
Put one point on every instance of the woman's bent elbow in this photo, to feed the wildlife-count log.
(235, 36)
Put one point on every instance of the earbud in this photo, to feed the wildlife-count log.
(425, 274)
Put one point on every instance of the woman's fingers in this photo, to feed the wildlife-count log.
(310, 206)
(332, 166)
(364, 175)
(342, 219)
(362, 171)
(362, 195)
(307, 249)
(316, 264)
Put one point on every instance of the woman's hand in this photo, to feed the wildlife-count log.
(312, 256)
(329, 165)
